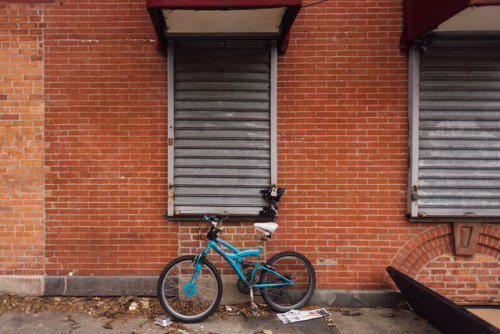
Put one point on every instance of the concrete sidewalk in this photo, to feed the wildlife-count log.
(347, 321)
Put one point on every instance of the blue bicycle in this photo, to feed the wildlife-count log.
(190, 287)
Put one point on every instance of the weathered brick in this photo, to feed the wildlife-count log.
(17, 207)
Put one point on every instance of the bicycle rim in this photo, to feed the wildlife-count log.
(187, 306)
(293, 266)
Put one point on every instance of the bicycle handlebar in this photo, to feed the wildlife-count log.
(217, 219)
(215, 225)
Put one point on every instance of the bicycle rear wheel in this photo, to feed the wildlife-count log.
(296, 267)
(197, 302)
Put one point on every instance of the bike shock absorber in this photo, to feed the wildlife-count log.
(246, 264)
(265, 265)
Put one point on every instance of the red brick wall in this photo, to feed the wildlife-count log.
(21, 140)
(465, 279)
(106, 126)
(84, 149)
(342, 140)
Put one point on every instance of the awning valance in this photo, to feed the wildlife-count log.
(422, 16)
(267, 19)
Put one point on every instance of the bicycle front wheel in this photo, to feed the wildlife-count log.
(183, 301)
(296, 267)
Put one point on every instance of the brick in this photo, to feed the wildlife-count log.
(23, 213)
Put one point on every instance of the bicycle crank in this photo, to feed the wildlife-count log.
(243, 287)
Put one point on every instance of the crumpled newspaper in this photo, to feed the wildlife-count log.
(295, 316)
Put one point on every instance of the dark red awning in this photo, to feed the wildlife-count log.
(221, 3)
(280, 13)
(422, 16)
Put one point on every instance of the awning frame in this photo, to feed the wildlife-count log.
(422, 16)
(155, 8)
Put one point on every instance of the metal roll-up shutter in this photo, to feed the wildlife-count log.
(459, 129)
(222, 147)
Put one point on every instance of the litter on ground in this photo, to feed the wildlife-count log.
(295, 316)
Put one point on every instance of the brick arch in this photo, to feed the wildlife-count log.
(489, 241)
(429, 258)
(422, 248)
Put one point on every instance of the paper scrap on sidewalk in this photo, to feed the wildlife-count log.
(295, 316)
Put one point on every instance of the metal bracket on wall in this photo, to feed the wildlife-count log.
(414, 193)
(170, 203)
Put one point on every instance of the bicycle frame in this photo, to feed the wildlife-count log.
(234, 259)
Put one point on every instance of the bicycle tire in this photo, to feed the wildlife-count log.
(204, 300)
(291, 265)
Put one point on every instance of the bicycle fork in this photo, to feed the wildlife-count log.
(190, 287)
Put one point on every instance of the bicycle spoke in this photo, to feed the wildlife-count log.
(194, 305)
(293, 266)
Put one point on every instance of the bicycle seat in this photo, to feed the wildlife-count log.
(266, 228)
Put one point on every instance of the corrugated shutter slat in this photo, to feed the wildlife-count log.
(222, 126)
(459, 122)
